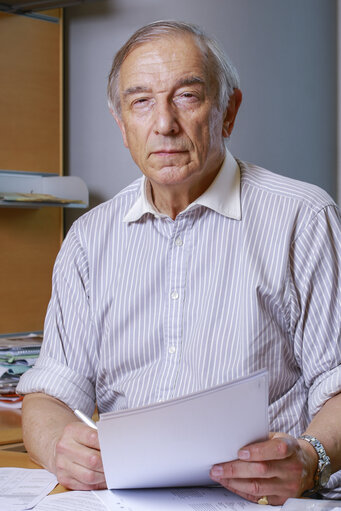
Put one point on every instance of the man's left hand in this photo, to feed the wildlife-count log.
(279, 468)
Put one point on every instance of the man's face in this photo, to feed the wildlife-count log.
(169, 119)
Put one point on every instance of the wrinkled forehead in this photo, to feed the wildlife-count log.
(163, 56)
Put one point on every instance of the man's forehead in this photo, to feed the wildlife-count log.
(166, 42)
(165, 59)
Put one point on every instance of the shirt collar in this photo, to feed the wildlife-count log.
(222, 196)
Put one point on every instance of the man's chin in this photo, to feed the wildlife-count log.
(171, 175)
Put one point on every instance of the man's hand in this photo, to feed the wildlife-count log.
(57, 441)
(77, 458)
(279, 468)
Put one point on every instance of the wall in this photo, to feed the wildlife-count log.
(285, 51)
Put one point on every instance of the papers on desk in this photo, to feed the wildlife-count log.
(17, 355)
(199, 499)
(311, 505)
(37, 197)
(175, 443)
(72, 501)
(176, 499)
(22, 488)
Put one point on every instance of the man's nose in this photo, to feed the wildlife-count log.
(165, 121)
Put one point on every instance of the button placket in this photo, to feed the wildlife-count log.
(179, 243)
(173, 319)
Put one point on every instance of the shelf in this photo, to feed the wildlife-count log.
(24, 6)
(68, 191)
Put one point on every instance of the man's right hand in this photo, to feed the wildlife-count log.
(57, 441)
(77, 458)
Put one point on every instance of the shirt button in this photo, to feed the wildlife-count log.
(174, 295)
(178, 242)
(172, 349)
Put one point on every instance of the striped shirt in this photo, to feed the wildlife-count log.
(145, 308)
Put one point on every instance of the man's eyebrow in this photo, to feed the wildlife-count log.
(189, 80)
(182, 82)
(135, 90)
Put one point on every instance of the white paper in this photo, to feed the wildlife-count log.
(72, 501)
(11, 405)
(175, 443)
(177, 499)
(22, 488)
(311, 505)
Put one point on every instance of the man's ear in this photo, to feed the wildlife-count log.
(231, 112)
(121, 126)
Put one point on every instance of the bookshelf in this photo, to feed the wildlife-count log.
(31, 135)
(34, 189)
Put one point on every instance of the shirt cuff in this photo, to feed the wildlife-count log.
(59, 381)
(324, 387)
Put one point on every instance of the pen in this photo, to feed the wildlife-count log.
(84, 418)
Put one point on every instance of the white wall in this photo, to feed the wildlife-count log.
(284, 50)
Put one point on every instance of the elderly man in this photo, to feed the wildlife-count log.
(203, 270)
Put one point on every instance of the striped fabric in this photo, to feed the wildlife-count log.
(145, 308)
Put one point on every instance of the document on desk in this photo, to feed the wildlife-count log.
(72, 501)
(23, 488)
(311, 505)
(176, 499)
(175, 443)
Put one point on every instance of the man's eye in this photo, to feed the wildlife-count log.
(186, 97)
(140, 102)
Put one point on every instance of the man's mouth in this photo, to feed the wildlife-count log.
(166, 152)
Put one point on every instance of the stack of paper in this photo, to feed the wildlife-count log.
(176, 442)
(37, 197)
(17, 355)
(177, 499)
(198, 499)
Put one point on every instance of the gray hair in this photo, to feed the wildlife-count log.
(221, 69)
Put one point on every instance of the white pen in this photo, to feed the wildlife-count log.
(84, 418)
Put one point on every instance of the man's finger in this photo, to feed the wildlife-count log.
(80, 454)
(90, 459)
(240, 470)
(87, 477)
(260, 487)
(69, 481)
(275, 449)
(83, 434)
(273, 500)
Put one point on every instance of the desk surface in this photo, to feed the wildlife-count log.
(10, 426)
(22, 460)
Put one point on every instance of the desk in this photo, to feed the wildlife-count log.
(22, 460)
(10, 428)
(10, 418)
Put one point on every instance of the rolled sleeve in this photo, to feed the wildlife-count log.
(67, 366)
(324, 387)
(61, 382)
(316, 305)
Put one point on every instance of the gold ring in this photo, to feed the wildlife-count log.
(263, 501)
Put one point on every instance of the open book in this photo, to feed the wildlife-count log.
(176, 442)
